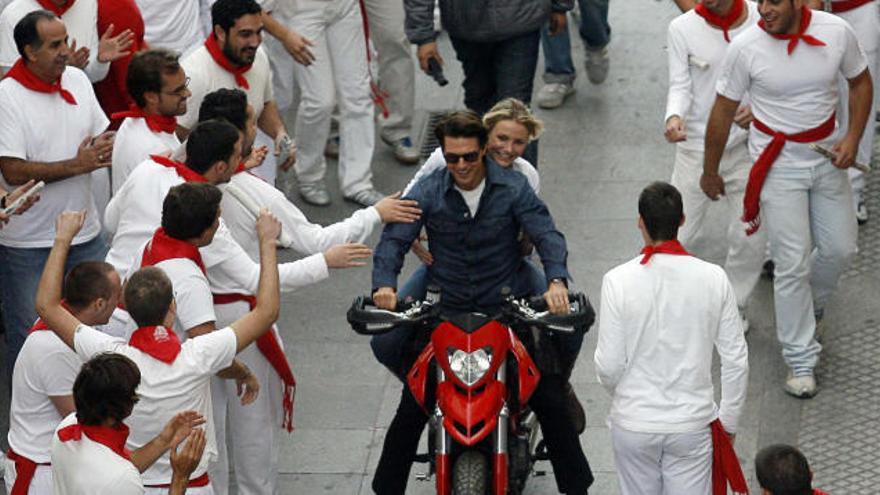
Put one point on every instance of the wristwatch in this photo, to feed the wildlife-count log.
(560, 280)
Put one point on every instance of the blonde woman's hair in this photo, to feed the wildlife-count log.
(517, 111)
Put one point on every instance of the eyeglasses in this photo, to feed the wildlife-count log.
(453, 158)
(179, 92)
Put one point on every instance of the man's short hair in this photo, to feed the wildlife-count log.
(105, 388)
(25, 32)
(86, 283)
(783, 470)
(226, 104)
(461, 124)
(145, 72)
(661, 210)
(148, 296)
(224, 13)
(209, 142)
(189, 209)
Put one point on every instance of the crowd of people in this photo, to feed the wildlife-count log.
(140, 286)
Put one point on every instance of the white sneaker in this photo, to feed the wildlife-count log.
(552, 95)
(597, 63)
(802, 387)
(861, 213)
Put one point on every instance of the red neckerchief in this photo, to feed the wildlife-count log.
(55, 9)
(158, 342)
(817, 491)
(40, 325)
(725, 465)
(112, 438)
(155, 122)
(164, 247)
(759, 171)
(667, 247)
(793, 39)
(29, 80)
(271, 349)
(220, 57)
(182, 170)
(722, 22)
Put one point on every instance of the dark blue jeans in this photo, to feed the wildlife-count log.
(594, 30)
(20, 272)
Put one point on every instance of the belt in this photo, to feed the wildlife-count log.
(202, 480)
(24, 472)
(847, 5)
(752, 198)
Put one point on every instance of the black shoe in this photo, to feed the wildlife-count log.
(769, 269)
(575, 409)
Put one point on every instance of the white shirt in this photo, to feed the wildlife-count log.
(167, 389)
(135, 213)
(865, 24)
(42, 127)
(45, 368)
(436, 161)
(172, 24)
(86, 467)
(302, 235)
(696, 50)
(206, 77)
(134, 143)
(81, 21)
(791, 93)
(472, 197)
(658, 326)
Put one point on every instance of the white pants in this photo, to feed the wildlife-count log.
(101, 190)
(200, 490)
(745, 254)
(340, 67)
(663, 464)
(41, 484)
(255, 429)
(812, 230)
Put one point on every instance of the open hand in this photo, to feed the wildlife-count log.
(297, 46)
(392, 209)
(180, 426)
(185, 460)
(268, 227)
(79, 58)
(347, 255)
(421, 252)
(68, 223)
(112, 48)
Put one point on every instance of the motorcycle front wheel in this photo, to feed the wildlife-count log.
(470, 474)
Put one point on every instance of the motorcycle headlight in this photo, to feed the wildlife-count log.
(470, 367)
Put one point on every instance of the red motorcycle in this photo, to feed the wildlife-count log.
(483, 439)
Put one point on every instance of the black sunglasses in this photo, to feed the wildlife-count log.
(455, 157)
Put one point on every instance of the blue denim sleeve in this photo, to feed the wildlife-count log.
(534, 217)
(562, 5)
(396, 241)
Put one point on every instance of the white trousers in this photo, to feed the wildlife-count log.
(812, 230)
(41, 484)
(200, 490)
(340, 67)
(255, 432)
(101, 190)
(745, 254)
(663, 464)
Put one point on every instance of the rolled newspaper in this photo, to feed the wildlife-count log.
(698, 62)
(284, 240)
(827, 153)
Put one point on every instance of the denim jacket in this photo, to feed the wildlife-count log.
(474, 257)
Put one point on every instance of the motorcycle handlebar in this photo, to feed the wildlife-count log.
(581, 314)
(377, 321)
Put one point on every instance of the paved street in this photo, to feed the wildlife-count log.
(598, 152)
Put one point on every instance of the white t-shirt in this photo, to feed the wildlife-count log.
(436, 161)
(42, 127)
(134, 143)
(659, 325)
(472, 197)
(696, 50)
(791, 93)
(206, 77)
(172, 24)
(81, 21)
(303, 236)
(86, 467)
(135, 213)
(167, 389)
(45, 368)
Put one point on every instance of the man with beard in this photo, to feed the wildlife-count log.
(789, 65)
(232, 58)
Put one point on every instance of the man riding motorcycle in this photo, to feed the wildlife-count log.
(473, 212)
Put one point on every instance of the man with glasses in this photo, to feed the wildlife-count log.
(158, 86)
(473, 211)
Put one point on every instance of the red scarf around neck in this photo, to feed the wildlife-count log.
(163, 247)
(55, 9)
(185, 173)
(722, 22)
(155, 122)
(793, 39)
(158, 342)
(725, 465)
(221, 59)
(112, 438)
(40, 325)
(667, 247)
(29, 80)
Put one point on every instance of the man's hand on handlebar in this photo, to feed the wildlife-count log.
(557, 298)
(386, 298)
